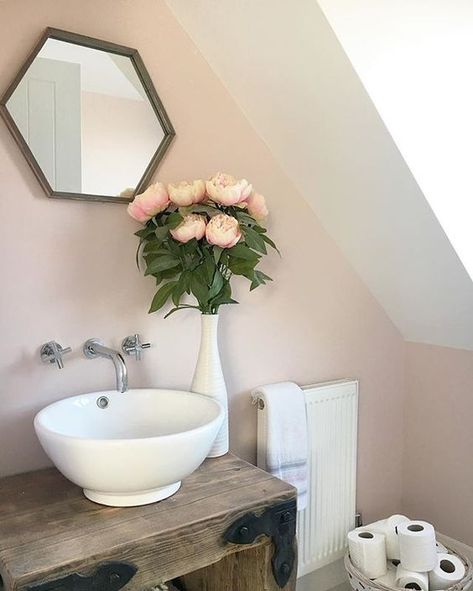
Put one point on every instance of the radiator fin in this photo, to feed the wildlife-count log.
(332, 416)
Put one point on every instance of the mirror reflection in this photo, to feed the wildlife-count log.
(87, 119)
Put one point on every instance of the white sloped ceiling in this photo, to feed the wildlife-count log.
(284, 66)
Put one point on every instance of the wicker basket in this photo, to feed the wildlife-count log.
(359, 582)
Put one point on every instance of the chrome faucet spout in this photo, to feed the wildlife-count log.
(94, 348)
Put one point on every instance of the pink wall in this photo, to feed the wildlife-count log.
(68, 267)
(438, 465)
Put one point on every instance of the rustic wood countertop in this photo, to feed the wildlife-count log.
(50, 532)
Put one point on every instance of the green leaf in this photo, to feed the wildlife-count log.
(190, 247)
(259, 278)
(155, 247)
(242, 267)
(199, 288)
(263, 276)
(183, 307)
(208, 209)
(209, 268)
(255, 240)
(244, 218)
(162, 296)
(174, 219)
(161, 232)
(224, 258)
(224, 297)
(217, 251)
(162, 263)
(169, 273)
(179, 290)
(271, 243)
(217, 284)
(186, 279)
(175, 247)
(259, 229)
(145, 232)
(240, 251)
(150, 257)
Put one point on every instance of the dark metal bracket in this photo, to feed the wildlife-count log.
(110, 576)
(278, 523)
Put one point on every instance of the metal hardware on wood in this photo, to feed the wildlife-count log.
(52, 352)
(278, 523)
(110, 576)
(132, 345)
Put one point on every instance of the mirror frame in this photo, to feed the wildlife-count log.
(160, 112)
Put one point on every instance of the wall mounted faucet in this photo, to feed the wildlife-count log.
(52, 352)
(94, 348)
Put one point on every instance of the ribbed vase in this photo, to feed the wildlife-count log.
(208, 378)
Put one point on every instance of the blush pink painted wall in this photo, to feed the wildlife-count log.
(68, 267)
(438, 465)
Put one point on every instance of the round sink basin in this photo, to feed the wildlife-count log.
(129, 449)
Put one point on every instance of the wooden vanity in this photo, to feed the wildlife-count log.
(231, 527)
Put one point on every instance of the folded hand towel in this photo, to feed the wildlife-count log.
(282, 435)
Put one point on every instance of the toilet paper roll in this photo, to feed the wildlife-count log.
(389, 579)
(449, 570)
(368, 553)
(417, 546)
(441, 548)
(408, 579)
(388, 527)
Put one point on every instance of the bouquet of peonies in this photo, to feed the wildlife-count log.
(197, 236)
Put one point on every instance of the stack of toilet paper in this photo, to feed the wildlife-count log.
(403, 554)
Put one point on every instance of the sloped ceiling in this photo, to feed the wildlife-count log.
(283, 64)
(414, 59)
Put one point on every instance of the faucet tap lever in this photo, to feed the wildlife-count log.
(132, 345)
(52, 352)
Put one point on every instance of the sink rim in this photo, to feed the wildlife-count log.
(39, 426)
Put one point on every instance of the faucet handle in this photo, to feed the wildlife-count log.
(132, 345)
(52, 352)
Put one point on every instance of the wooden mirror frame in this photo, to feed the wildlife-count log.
(151, 93)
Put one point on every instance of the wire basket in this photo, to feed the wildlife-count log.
(359, 582)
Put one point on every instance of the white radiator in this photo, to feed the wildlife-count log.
(332, 417)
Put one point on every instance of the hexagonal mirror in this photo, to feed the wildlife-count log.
(87, 118)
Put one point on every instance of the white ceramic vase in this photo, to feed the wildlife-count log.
(208, 378)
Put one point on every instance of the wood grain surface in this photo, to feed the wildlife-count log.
(248, 570)
(48, 529)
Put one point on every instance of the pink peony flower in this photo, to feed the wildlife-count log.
(184, 193)
(135, 211)
(223, 230)
(192, 226)
(256, 204)
(225, 189)
(146, 205)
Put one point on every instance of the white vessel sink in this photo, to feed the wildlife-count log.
(135, 450)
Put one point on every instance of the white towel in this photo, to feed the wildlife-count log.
(282, 442)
